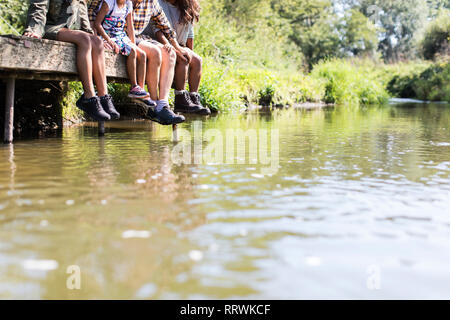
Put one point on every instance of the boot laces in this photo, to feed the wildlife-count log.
(98, 106)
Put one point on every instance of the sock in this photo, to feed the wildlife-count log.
(161, 104)
(179, 92)
(194, 93)
(84, 97)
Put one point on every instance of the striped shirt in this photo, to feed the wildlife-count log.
(145, 11)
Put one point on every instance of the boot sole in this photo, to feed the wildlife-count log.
(157, 120)
(186, 111)
(132, 96)
(163, 123)
(199, 112)
(114, 117)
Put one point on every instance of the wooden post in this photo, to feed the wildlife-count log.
(174, 133)
(101, 128)
(9, 110)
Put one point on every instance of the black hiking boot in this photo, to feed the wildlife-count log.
(109, 108)
(195, 98)
(93, 108)
(165, 116)
(184, 104)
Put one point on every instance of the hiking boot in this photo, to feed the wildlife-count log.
(165, 116)
(184, 104)
(108, 106)
(93, 108)
(138, 93)
(195, 98)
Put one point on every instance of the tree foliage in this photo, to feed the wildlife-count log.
(437, 36)
(12, 16)
(305, 31)
(400, 22)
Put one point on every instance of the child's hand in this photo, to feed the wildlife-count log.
(184, 55)
(31, 35)
(114, 46)
(168, 47)
(107, 46)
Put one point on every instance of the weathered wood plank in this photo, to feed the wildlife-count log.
(21, 55)
(6, 74)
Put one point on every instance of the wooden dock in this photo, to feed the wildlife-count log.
(40, 59)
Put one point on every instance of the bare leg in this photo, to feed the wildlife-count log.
(195, 72)
(84, 57)
(167, 73)
(181, 70)
(98, 65)
(154, 59)
(141, 65)
(131, 67)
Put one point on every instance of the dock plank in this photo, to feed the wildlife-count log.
(32, 57)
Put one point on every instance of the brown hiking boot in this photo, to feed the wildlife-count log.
(184, 104)
(195, 98)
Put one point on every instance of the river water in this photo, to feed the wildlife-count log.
(354, 203)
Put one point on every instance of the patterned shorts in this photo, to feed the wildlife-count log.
(124, 44)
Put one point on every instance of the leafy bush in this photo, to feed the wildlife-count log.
(432, 83)
(437, 35)
(226, 87)
(70, 112)
(350, 83)
(12, 16)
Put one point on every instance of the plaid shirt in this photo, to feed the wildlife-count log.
(146, 10)
(93, 8)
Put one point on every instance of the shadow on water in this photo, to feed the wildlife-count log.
(358, 208)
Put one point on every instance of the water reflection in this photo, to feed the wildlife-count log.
(358, 190)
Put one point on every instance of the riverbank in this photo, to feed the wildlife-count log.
(337, 81)
(227, 88)
(232, 88)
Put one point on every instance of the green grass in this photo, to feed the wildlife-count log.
(70, 112)
(429, 82)
(350, 82)
(226, 87)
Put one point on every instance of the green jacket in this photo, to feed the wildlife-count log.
(47, 17)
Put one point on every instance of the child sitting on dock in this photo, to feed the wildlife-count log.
(67, 21)
(110, 23)
(182, 14)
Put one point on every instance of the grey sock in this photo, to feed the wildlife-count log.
(161, 104)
